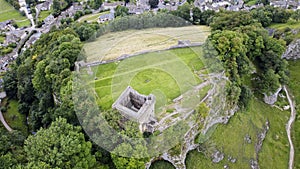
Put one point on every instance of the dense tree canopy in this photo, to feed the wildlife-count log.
(61, 145)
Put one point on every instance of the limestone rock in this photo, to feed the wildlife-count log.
(292, 51)
(248, 139)
(271, 99)
(254, 164)
(217, 157)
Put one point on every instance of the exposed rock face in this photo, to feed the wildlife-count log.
(217, 157)
(254, 164)
(293, 50)
(271, 99)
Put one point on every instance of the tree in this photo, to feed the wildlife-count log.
(56, 7)
(207, 17)
(280, 15)
(97, 4)
(153, 3)
(263, 16)
(10, 82)
(227, 20)
(121, 11)
(61, 145)
(269, 82)
(296, 15)
(183, 11)
(196, 15)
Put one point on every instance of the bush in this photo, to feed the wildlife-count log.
(3, 109)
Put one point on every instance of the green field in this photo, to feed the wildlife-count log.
(230, 140)
(8, 12)
(14, 119)
(91, 17)
(166, 74)
(294, 67)
(113, 45)
(44, 14)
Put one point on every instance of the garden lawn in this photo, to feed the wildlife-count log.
(230, 140)
(8, 12)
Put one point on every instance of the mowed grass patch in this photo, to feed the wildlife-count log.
(113, 45)
(92, 17)
(8, 12)
(230, 140)
(294, 67)
(15, 120)
(165, 73)
(44, 14)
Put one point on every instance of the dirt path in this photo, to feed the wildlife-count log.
(288, 128)
(4, 122)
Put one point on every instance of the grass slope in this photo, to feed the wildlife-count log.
(230, 140)
(113, 45)
(8, 12)
(166, 74)
(14, 119)
(294, 67)
(44, 14)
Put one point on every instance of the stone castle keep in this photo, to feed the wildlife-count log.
(136, 107)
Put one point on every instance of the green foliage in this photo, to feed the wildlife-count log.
(86, 31)
(61, 145)
(263, 16)
(226, 20)
(143, 21)
(121, 11)
(10, 82)
(247, 47)
(196, 15)
(41, 76)
(153, 3)
(280, 15)
(60, 5)
(183, 11)
(95, 4)
(245, 97)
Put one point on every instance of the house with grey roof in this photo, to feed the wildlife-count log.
(106, 17)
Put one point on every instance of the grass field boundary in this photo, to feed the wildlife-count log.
(122, 57)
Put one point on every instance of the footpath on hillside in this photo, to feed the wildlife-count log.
(289, 126)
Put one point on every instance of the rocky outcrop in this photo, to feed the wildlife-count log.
(292, 51)
(217, 157)
(271, 99)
